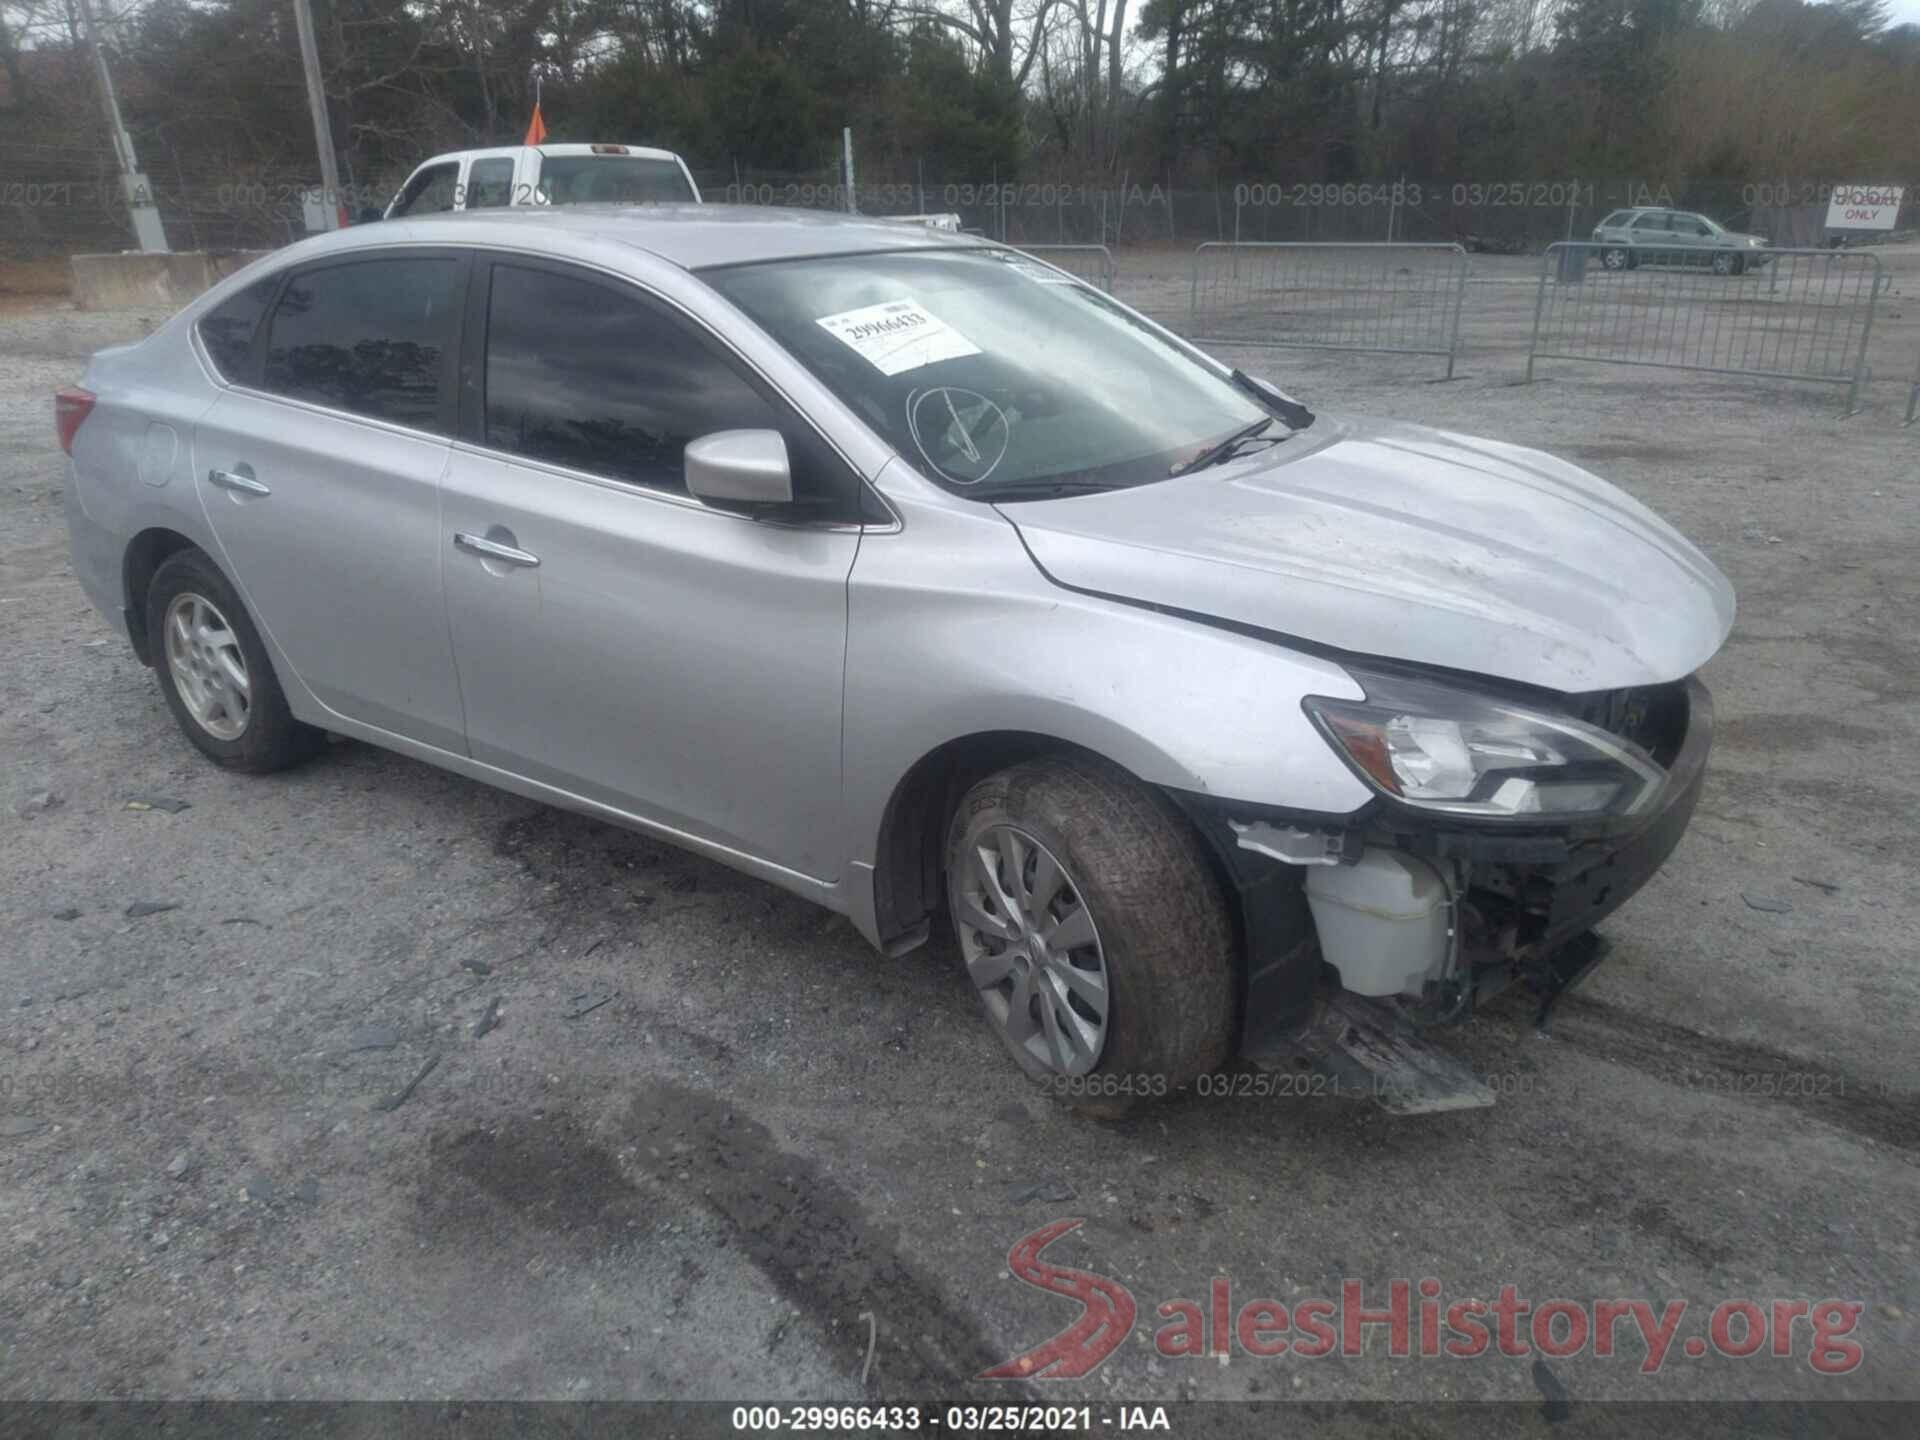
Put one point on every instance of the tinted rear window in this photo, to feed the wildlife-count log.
(615, 179)
(227, 331)
(370, 337)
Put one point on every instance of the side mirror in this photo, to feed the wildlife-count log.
(740, 467)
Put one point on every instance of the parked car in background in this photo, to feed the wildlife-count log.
(508, 175)
(1649, 235)
(909, 573)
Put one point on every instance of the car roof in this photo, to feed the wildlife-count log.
(694, 237)
(645, 152)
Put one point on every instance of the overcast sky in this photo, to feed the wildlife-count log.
(1903, 12)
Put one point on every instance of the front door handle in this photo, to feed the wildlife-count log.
(237, 480)
(494, 550)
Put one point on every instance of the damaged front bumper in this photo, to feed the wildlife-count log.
(1516, 896)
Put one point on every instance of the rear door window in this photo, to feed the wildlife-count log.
(371, 337)
(228, 330)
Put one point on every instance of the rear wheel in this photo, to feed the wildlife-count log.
(215, 672)
(1092, 929)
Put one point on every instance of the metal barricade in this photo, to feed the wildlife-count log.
(1397, 299)
(1913, 395)
(1771, 314)
(1091, 263)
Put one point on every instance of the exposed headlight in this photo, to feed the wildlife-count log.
(1439, 748)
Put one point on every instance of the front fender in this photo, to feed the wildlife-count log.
(953, 631)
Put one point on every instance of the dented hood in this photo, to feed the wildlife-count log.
(1408, 543)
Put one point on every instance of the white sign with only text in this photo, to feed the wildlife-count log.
(1864, 207)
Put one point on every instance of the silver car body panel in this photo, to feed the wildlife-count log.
(671, 660)
(758, 691)
(345, 545)
(1409, 543)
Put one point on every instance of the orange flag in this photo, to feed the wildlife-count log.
(536, 127)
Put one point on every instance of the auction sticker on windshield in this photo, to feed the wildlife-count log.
(898, 335)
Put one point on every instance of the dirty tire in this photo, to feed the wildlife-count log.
(272, 739)
(1162, 919)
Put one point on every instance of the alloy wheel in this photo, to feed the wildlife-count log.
(209, 669)
(1032, 950)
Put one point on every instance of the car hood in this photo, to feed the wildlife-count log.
(1407, 543)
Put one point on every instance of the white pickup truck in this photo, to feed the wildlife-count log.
(545, 175)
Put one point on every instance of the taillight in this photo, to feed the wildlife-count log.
(70, 407)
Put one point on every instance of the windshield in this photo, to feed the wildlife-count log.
(992, 373)
(612, 179)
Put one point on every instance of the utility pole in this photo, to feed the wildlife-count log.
(148, 233)
(330, 197)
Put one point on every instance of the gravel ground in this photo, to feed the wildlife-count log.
(709, 1133)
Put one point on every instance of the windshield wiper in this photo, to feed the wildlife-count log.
(1043, 489)
(1224, 449)
(1297, 416)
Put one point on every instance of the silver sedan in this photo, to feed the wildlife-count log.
(904, 571)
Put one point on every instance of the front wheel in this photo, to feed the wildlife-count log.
(1616, 259)
(1091, 926)
(1724, 264)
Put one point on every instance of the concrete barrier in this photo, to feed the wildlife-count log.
(132, 280)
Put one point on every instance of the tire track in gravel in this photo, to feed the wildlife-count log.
(1816, 1088)
(814, 1244)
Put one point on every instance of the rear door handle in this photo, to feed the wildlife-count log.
(237, 480)
(494, 550)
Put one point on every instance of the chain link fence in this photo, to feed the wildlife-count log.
(57, 200)
(1378, 266)
(1485, 216)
